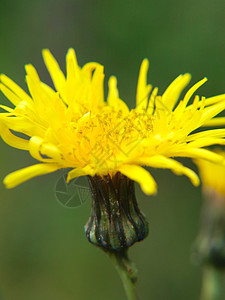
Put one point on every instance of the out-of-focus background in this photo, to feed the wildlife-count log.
(43, 250)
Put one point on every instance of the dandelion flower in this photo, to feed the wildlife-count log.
(72, 126)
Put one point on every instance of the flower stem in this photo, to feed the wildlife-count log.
(126, 270)
(211, 284)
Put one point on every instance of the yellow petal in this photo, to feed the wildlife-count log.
(31, 71)
(48, 90)
(191, 91)
(151, 104)
(52, 151)
(143, 89)
(8, 109)
(206, 142)
(98, 85)
(11, 139)
(215, 99)
(113, 90)
(202, 154)
(172, 93)
(211, 111)
(10, 95)
(18, 177)
(215, 122)
(213, 133)
(18, 124)
(72, 67)
(78, 172)
(113, 96)
(140, 175)
(15, 88)
(57, 75)
(88, 69)
(35, 144)
(163, 162)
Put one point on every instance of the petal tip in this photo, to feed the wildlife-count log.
(45, 50)
(46, 53)
(8, 183)
(145, 62)
(150, 190)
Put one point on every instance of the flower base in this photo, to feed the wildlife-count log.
(116, 222)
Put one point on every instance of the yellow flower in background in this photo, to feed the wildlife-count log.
(209, 247)
(74, 127)
(212, 175)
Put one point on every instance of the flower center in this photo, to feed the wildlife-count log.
(104, 140)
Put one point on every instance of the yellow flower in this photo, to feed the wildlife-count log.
(74, 127)
(212, 175)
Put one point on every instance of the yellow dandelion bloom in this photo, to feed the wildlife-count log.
(212, 175)
(74, 127)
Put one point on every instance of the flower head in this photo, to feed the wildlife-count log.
(74, 127)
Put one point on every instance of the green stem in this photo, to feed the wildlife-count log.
(211, 284)
(126, 270)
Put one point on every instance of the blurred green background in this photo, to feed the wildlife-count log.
(43, 250)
